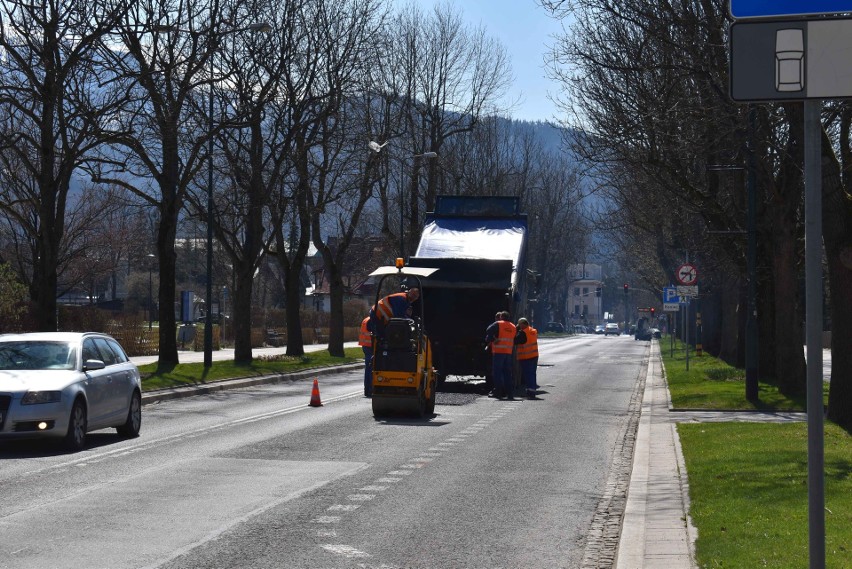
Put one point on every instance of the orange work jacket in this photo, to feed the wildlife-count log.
(529, 349)
(364, 338)
(505, 339)
(384, 309)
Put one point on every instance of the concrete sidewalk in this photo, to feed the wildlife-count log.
(657, 532)
(188, 356)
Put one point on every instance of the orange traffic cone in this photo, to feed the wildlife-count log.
(315, 396)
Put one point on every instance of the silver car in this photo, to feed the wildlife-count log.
(63, 385)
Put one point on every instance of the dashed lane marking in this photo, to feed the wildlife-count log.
(345, 550)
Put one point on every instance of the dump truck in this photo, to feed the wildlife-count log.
(478, 246)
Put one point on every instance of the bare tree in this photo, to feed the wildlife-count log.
(647, 82)
(155, 147)
(453, 76)
(332, 39)
(50, 110)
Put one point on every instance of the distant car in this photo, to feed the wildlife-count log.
(554, 327)
(580, 329)
(642, 330)
(611, 328)
(655, 332)
(63, 385)
(599, 329)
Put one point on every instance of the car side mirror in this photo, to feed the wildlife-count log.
(91, 365)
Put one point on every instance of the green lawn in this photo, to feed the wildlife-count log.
(749, 494)
(195, 373)
(710, 383)
(748, 481)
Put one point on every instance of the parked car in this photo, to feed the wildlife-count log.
(63, 385)
(599, 329)
(554, 327)
(611, 328)
(655, 332)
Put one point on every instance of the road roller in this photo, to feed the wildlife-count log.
(404, 381)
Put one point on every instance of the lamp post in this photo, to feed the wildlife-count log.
(261, 27)
(150, 298)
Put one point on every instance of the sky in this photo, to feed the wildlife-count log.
(525, 30)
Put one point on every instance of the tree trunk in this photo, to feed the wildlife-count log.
(837, 236)
(729, 348)
(244, 282)
(789, 364)
(43, 289)
(293, 293)
(168, 258)
(335, 326)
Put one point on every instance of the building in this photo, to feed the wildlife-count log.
(585, 303)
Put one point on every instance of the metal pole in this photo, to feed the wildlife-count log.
(208, 318)
(150, 300)
(752, 359)
(686, 332)
(401, 217)
(813, 335)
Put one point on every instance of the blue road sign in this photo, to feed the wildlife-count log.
(670, 294)
(783, 8)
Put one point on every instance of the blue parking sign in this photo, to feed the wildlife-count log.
(670, 295)
(779, 8)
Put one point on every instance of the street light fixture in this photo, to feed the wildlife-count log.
(260, 27)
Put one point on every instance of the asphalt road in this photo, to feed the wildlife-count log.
(256, 478)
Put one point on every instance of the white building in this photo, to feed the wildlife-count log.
(584, 294)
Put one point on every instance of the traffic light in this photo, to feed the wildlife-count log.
(652, 311)
(625, 288)
(598, 291)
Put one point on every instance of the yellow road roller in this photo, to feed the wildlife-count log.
(404, 381)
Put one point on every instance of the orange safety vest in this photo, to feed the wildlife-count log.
(529, 349)
(505, 339)
(384, 310)
(364, 338)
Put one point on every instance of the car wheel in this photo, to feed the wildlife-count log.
(75, 438)
(130, 428)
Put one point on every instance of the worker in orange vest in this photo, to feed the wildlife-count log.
(365, 340)
(527, 354)
(397, 305)
(501, 336)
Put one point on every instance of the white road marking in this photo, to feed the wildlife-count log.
(345, 550)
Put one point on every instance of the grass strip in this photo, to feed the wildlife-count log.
(712, 384)
(155, 377)
(749, 494)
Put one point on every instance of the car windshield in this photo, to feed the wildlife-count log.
(37, 355)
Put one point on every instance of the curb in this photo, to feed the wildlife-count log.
(155, 396)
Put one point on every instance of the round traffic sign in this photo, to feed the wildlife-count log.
(686, 274)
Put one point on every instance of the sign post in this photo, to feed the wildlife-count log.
(808, 61)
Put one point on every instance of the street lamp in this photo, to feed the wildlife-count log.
(261, 27)
(150, 298)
